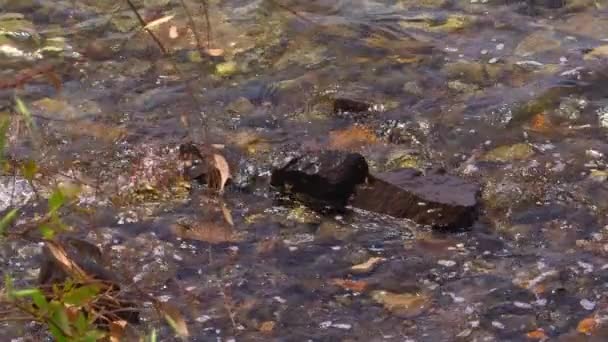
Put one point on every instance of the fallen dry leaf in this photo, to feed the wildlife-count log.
(352, 285)
(63, 260)
(541, 123)
(410, 304)
(250, 142)
(158, 22)
(173, 32)
(219, 172)
(54, 79)
(214, 52)
(96, 130)
(587, 326)
(117, 329)
(210, 232)
(598, 52)
(368, 266)
(538, 334)
(267, 327)
(227, 215)
(351, 138)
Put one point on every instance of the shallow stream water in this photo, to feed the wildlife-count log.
(510, 94)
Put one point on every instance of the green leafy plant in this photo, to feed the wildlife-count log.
(66, 311)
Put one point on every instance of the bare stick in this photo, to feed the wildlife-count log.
(193, 26)
(285, 8)
(143, 24)
(184, 120)
(205, 6)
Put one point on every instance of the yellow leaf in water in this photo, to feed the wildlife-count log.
(509, 153)
(206, 231)
(410, 304)
(267, 327)
(368, 265)
(349, 284)
(598, 52)
(587, 326)
(117, 329)
(538, 334)
(158, 22)
(215, 52)
(227, 215)
(351, 138)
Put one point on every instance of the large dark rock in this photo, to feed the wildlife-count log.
(435, 198)
(327, 177)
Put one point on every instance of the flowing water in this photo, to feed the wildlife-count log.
(510, 94)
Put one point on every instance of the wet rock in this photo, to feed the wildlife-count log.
(587, 24)
(241, 105)
(14, 191)
(462, 87)
(400, 159)
(509, 153)
(403, 304)
(535, 43)
(438, 23)
(100, 50)
(328, 176)
(598, 52)
(346, 105)
(226, 69)
(156, 3)
(435, 198)
(304, 53)
(467, 72)
(570, 108)
(18, 5)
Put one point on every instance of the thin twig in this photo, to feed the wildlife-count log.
(285, 8)
(199, 44)
(184, 120)
(227, 306)
(205, 6)
(143, 24)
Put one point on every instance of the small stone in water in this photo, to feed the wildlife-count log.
(164, 298)
(522, 305)
(202, 319)
(587, 304)
(588, 268)
(602, 114)
(594, 154)
(279, 299)
(455, 298)
(447, 263)
(343, 326)
(325, 325)
(498, 325)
